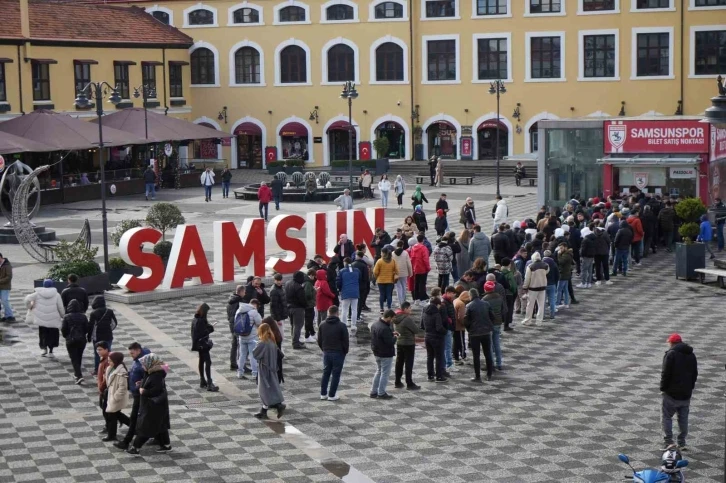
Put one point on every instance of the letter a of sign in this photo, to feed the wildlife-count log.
(187, 259)
(247, 247)
(130, 247)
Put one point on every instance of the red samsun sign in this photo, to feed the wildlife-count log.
(653, 136)
(244, 247)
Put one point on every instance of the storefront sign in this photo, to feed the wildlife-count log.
(364, 150)
(683, 173)
(226, 141)
(244, 247)
(466, 151)
(689, 136)
(718, 142)
(318, 140)
(640, 180)
(271, 153)
(168, 149)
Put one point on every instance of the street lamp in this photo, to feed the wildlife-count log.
(350, 93)
(497, 87)
(99, 90)
(147, 92)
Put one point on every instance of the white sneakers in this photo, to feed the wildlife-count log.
(323, 397)
(333, 398)
(311, 339)
(609, 282)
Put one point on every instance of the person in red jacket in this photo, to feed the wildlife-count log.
(324, 297)
(636, 247)
(264, 194)
(419, 255)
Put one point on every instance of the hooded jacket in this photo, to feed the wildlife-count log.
(535, 276)
(553, 276)
(564, 264)
(136, 374)
(602, 243)
(440, 223)
(295, 292)
(501, 212)
(309, 287)
(480, 247)
(443, 256)
(348, 282)
(264, 194)
(383, 342)
(479, 318)
(501, 245)
(117, 382)
(624, 237)
(587, 249)
(679, 373)
(48, 309)
(333, 336)
(365, 272)
(637, 226)
(74, 322)
(232, 306)
(406, 328)
(419, 219)
(460, 309)
(102, 321)
(705, 233)
(403, 262)
(650, 223)
(667, 219)
(419, 259)
(323, 295)
(255, 320)
(432, 323)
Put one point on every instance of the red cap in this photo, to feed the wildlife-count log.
(674, 338)
(608, 205)
(595, 200)
(490, 286)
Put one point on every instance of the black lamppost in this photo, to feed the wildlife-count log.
(497, 87)
(145, 92)
(99, 90)
(350, 93)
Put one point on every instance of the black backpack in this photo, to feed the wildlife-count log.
(76, 335)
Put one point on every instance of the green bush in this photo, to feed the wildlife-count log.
(690, 210)
(381, 145)
(689, 232)
(164, 216)
(74, 252)
(123, 227)
(116, 263)
(84, 268)
(163, 249)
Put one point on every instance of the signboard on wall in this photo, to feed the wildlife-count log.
(466, 150)
(683, 173)
(718, 142)
(270, 154)
(364, 150)
(226, 141)
(654, 137)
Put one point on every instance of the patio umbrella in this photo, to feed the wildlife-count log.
(161, 128)
(10, 143)
(66, 133)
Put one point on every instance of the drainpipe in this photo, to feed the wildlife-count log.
(411, 74)
(683, 102)
(20, 82)
(163, 72)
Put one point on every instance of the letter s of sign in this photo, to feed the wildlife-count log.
(277, 230)
(187, 259)
(130, 247)
(247, 247)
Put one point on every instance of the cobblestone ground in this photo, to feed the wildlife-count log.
(573, 394)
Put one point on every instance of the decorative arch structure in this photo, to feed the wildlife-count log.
(408, 154)
(256, 122)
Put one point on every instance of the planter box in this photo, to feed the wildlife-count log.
(115, 274)
(689, 258)
(94, 284)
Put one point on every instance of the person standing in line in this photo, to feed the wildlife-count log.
(400, 188)
(103, 352)
(677, 381)
(246, 321)
(479, 246)
(406, 346)
(622, 242)
(501, 211)
(384, 186)
(226, 179)
(463, 262)
(479, 322)
(276, 187)
(383, 345)
(267, 354)
(705, 234)
(666, 223)
(136, 374)
(514, 280)
(361, 263)
(75, 329)
(587, 258)
(310, 296)
(405, 270)
(421, 267)
(602, 249)
(386, 273)
(553, 278)
(232, 305)
(443, 205)
(636, 244)
(650, 229)
(459, 333)
(74, 292)
(201, 342)
(264, 195)
(324, 296)
(101, 325)
(296, 304)
(501, 244)
(207, 180)
(150, 183)
(333, 341)
(366, 180)
(344, 201)
(535, 286)
(565, 262)
(499, 309)
(435, 331)
(153, 420)
(278, 303)
(47, 310)
(116, 378)
(348, 282)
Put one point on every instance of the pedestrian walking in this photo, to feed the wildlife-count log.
(406, 328)
(277, 191)
(202, 343)
(677, 381)
(46, 310)
(500, 214)
(705, 234)
(116, 377)
(348, 283)
(75, 330)
(150, 183)
(435, 333)
(246, 321)
(101, 325)
(136, 375)
(153, 420)
(384, 186)
(433, 163)
(333, 341)
(264, 195)
(479, 323)
(226, 180)
(418, 198)
(207, 180)
(268, 386)
(102, 351)
(399, 187)
(275, 329)
(296, 304)
(468, 214)
(75, 292)
(383, 346)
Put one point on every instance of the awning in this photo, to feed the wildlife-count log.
(10, 143)
(151, 62)
(178, 62)
(43, 61)
(124, 62)
(641, 160)
(85, 61)
(5, 60)
(161, 128)
(445, 125)
(294, 129)
(249, 129)
(339, 126)
(492, 124)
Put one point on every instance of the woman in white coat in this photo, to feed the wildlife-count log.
(400, 189)
(384, 186)
(45, 308)
(405, 270)
(117, 385)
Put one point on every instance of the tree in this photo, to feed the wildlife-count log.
(123, 227)
(381, 145)
(164, 216)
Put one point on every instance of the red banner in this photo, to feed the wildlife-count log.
(718, 142)
(364, 150)
(466, 147)
(655, 137)
(270, 154)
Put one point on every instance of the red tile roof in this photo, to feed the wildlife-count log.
(63, 21)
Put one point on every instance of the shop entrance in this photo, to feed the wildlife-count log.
(338, 141)
(676, 181)
(487, 139)
(249, 145)
(396, 140)
(294, 138)
(442, 140)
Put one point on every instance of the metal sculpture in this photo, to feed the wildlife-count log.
(282, 176)
(11, 180)
(25, 231)
(309, 175)
(324, 177)
(297, 178)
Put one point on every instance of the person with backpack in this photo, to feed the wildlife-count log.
(75, 329)
(202, 343)
(499, 309)
(102, 323)
(246, 322)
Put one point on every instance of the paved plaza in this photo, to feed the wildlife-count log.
(572, 394)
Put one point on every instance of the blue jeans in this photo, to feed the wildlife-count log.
(563, 295)
(96, 357)
(225, 189)
(448, 345)
(276, 199)
(719, 234)
(263, 206)
(551, 296)
(208, 192)
(621, 261)
(151, 190)
(380, 378)
(245, 352)
(384, 199)
(386, 294)
(5, 299)
(332, 365)
(455, 272)
(497, 345)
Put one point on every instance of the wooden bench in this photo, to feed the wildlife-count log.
(454, 179)
(345, 177)
(718, 273)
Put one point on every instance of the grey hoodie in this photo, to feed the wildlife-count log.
(480, 246)
(255, 320)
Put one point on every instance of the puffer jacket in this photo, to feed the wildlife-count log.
(602, 243)
(48, 309)
(406, 328)
(295, 292)
(386, 271)
(102, 321)
(74, 291)
(587, 249)
(480, 247)
(501, 212)
(432, 323)
(232, 306)
(278, 304)
(403, 261)
(535, 276)
(564, 264)
(498, 305)
(479, 318)
(460, 308)
(255, 320)
(624, 237)
(348, 283)
(383, 342)
(323, 295)
(443, 256)
(667, 219)
(117, 382)
(419, 259)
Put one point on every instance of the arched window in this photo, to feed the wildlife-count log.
(246, 15)
(293, 65)
(389, 62)
(292, 14)
(201, 17)
(339, 12)
(388, 10)
(202, 66)
(341, 63)
(162, 17)
(247, 66)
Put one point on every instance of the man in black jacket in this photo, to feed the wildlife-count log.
(501, 245)
(383, 345)
(380, 240)
(74, 292)
(478, 322)
(232, 306)
(255, 289)
(435, 330)
(364, 287)
(278, 303)
(333, 340)
(677, 380)
(296, 303)
(276, 187)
